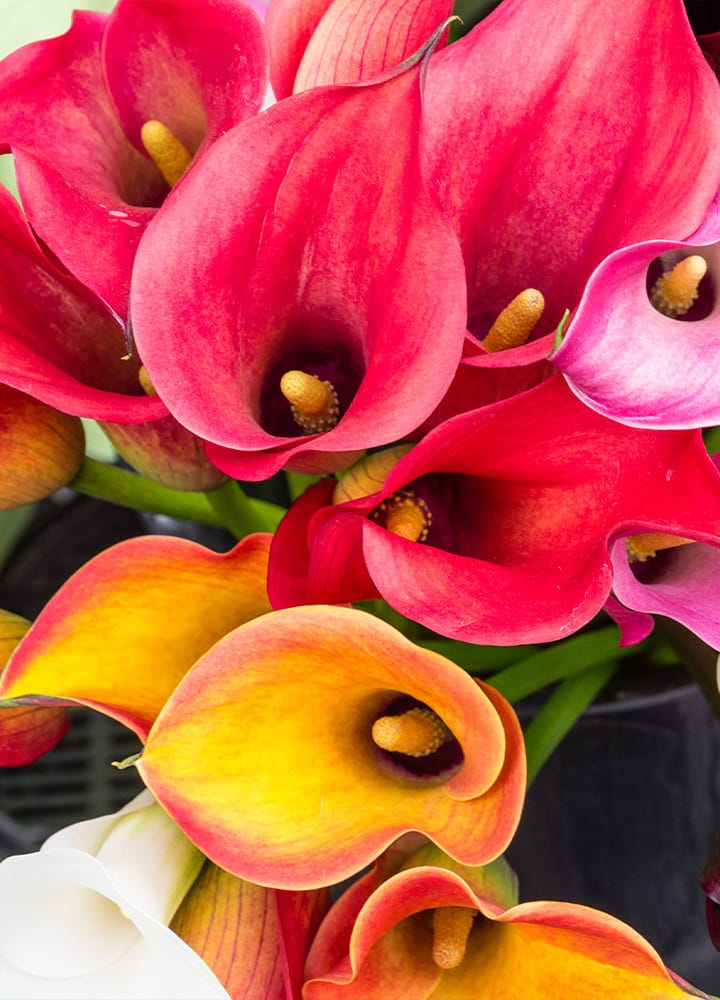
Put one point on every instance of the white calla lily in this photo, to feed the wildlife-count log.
(86, 916)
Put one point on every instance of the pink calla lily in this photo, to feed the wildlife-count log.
(630, 362)
(304, 240)
(524, 498)
(199, 67)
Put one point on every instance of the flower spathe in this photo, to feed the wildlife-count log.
(378, 941)
(264, 753)
(525, 496)
(305, 240)
(87, 916)
(547, 154)
(145, 609)
(91, 199)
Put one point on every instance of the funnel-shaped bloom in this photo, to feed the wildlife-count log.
(122, 632)
(26, 732)
(317, 42)
(630, 361)
(87, 916)
(406, 939)
(196, 67)
(519, 500)
(305, 244)
(268, 757)
(547, 154)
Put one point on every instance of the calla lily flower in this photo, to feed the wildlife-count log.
(87, 916)
(441, 933)
(304, 743)
(122, 632)
(547, 171)
(318, 42)
(299, 281)
(634, 363)
(26, 732)
(516, 502)
(197, 68)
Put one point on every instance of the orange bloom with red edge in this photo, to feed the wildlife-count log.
(304, 743)
(124, 629)
(447, 933)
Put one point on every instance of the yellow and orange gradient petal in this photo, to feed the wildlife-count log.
(124, 630)
(265, 756)
(537, 951)
(26, 731)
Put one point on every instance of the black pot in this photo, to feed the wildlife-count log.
(624, 814)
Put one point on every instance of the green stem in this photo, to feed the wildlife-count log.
(560, 713)
(475, 659)
(699, 659)
(297, 483)
(106, 482)
(242, 514)
(561, 660)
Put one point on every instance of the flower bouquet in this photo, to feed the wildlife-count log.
(420, 308)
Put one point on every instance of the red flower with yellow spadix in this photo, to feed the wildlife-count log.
(124, 629)
(438, 931)
(495, 527)
(141, 93)
(304, 743)
(287, 306)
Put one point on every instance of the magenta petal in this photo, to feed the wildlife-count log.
(634, 625)
(58, 342)
(629, 362)
(289, 25)
(82, 183)
(680, 583)
(548, 153)
(198, 66)
(305, 238)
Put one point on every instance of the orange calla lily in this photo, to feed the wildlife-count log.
(28, 731)
(268, 756)
(122, 632)
(428, 933)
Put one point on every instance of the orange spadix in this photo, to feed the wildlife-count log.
(675, 292)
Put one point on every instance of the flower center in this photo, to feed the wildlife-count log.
(144, 379)
(676, 291)
(165, 150)
(313, 402)
(451, 929)
(516, 322)
(643, 547)
(415, 733)
(406, 515)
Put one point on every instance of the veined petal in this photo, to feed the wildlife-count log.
(355, 39)
(232, 925)
(143, 611)
(220, 753)
(289, 25)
